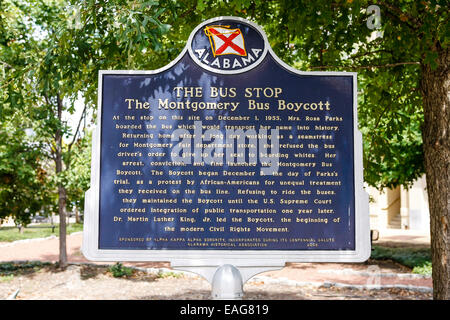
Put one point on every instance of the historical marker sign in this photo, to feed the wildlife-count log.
(227, 154)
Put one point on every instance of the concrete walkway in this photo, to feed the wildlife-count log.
(403, 238)
(372, 274)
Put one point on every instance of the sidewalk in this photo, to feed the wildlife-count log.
(403, 238)
(376, 274)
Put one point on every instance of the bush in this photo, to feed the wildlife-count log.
(118, 270)
(419, 260)
(424, 269)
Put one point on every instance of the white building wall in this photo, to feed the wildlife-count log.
(419, 216)
(400, 208)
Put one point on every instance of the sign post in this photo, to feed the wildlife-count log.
(227, 162)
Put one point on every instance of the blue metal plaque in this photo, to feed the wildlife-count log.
(228, 149)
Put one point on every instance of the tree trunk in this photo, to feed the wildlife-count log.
(62, 227)
(61, 193)
(77, 215)
(435, 86)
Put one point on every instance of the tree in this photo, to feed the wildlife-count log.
(22, 175)
(24, 178)
(49, 57)
(403, 76)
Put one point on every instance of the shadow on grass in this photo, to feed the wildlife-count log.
(27, 268)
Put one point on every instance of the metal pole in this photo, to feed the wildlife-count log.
(227, 283)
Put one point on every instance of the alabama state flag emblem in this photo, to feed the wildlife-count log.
(225, 40)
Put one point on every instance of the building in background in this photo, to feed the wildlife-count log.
(400, 208)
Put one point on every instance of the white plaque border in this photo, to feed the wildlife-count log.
(211, 258)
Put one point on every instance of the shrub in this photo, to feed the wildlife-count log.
(419, 260)
(118, 270)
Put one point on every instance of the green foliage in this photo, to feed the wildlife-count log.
(169, 274)
(22, 175)
(77, 177)
(392, 133)
(424, 269)
(418, 259)
(6, 278)
(118, 270)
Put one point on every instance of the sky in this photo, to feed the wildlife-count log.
(73, 119)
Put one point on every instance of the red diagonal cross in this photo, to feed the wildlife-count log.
(228, 42)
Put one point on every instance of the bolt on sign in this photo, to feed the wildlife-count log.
(227, 156)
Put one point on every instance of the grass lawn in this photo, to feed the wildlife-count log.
(418, 259)
(42, 230)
